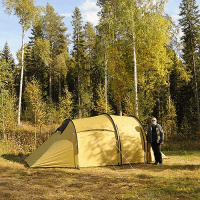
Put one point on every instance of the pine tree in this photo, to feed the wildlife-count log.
(90, 40)
(8, 117)
(190, 23)
(55, 33)
(179, 78)
(79, 56)
(7, 55)
(36, 63)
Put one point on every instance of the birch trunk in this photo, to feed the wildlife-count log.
(106, 83)
(3, 120)
(79, 97)
(135, 75)
(22, 74)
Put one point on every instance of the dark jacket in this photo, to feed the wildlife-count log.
(159, 131)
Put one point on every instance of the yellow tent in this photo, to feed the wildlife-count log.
(95, 141)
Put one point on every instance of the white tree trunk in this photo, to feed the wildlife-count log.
(169, 99)
(22, 74)
(3, 120)
(135, 76)
(106, 83)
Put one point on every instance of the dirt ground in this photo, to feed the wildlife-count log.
(177, 178)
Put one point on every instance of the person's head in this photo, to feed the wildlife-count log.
(153, 120)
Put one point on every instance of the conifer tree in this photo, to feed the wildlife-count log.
(37, 61)
(8, 114)
(79, 55)
(190, 23)
(179, 78)
(7, 55)
(90, 40)
(55, 33)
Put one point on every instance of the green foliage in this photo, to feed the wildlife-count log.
(101, 105)
(6, 74)
(35, 105)
(99, 75)
(41, 49)
(7, 56)
(24, 9)
(65, 106)
(7, 95)
(8, 114)
(81, 69)
(51, 116)
(55, 35)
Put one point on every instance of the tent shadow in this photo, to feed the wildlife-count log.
(16, 158)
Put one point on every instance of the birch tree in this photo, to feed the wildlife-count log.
(24, 10)
(121, 20)
(35, 105)
(104, 30)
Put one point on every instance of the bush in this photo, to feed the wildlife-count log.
(181, 142)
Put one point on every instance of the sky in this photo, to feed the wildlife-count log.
(11, 30)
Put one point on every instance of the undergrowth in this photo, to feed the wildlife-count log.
(25, 139)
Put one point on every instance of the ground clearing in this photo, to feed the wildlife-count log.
(178, 178)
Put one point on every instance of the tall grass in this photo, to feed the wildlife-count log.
(178, 142)
(23, 140)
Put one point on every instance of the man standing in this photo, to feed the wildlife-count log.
(155, 137)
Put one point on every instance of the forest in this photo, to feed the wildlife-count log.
(132, 63)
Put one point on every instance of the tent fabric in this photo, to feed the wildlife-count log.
(96, 141)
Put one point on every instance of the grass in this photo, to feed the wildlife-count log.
(178, 178)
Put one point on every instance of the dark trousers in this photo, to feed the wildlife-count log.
(157, 152)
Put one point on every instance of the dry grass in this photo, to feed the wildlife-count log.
(178, 178)
(22, 140)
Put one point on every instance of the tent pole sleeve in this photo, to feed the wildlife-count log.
(76, 160)
(117, 138)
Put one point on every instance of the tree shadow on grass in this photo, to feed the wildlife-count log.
(20, 158)
(151, 167)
